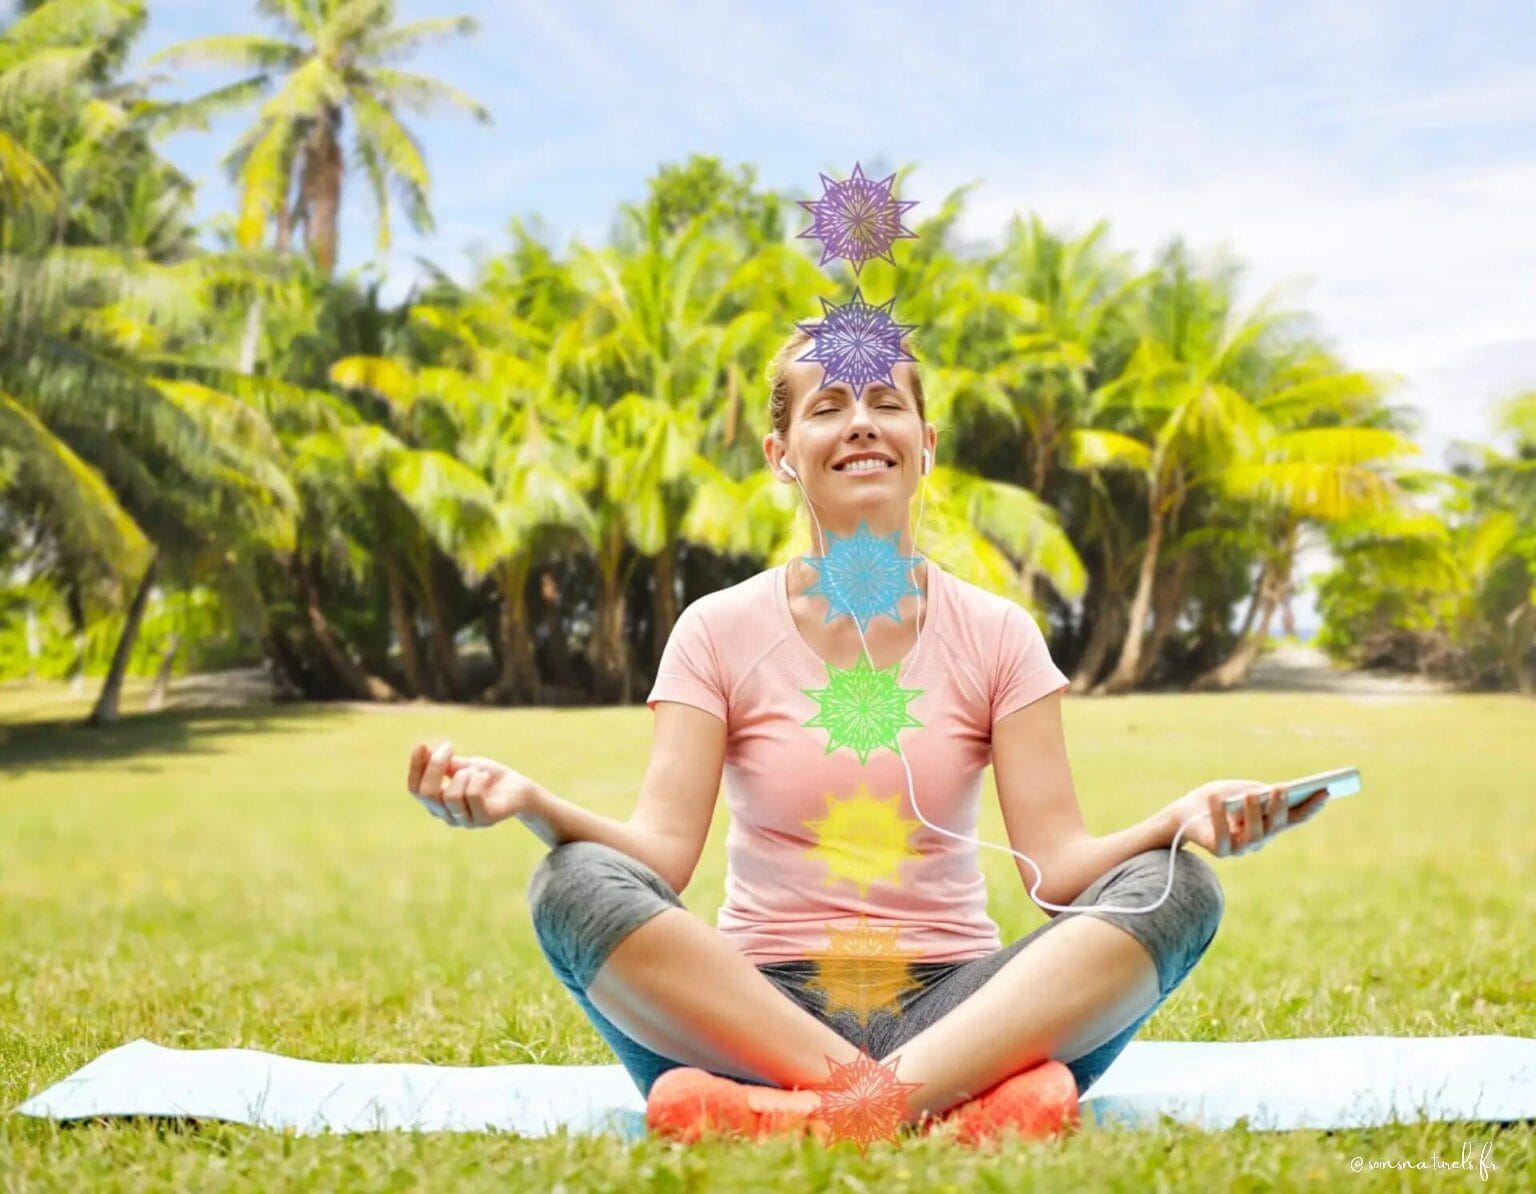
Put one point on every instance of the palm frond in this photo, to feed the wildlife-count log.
(418, 93)
(251, 51)
(89, 517)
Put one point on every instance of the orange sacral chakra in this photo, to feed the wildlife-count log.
(863, 970)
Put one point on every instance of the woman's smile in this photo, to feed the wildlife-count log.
(865, 464)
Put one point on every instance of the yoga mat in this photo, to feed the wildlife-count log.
(1322, 1082)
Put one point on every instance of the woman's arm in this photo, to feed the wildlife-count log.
(1041, 812)
(1044, 821)
(666, 830)
(670, 821)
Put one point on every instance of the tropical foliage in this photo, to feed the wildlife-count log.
(506, 489)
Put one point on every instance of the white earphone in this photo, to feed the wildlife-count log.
(789, 470)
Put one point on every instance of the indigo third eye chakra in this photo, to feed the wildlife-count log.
(857, 342)
(857, 219)
(863, 576)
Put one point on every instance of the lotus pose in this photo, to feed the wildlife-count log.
(851, 700)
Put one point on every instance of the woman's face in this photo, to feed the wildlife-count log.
(829, 433)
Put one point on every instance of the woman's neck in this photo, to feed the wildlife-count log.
(803, 576)
(825, 530)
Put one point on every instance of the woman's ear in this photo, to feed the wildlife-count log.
(780, 465)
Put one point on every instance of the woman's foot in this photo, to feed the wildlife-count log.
(1039, 1103)
(685, 1103)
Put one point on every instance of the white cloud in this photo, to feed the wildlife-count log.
(1429, 279)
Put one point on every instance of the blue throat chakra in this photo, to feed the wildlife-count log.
(863, 576)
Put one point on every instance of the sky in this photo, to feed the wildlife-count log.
(1375, 164)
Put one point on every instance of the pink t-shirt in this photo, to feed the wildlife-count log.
(823, 845)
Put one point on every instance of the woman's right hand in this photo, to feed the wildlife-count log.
(468, 792)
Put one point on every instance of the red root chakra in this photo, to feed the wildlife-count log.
(863, 1101)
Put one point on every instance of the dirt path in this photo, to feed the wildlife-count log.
(1295, 667)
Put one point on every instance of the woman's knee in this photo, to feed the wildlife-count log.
(1181, 929)
(573, 874)
(585, 896)
(1196, 893)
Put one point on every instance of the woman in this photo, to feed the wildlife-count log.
(855, 920)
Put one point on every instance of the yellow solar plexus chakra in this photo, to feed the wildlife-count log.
(863, 839)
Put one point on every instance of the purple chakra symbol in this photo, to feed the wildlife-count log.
(857, 343)
(856, 219)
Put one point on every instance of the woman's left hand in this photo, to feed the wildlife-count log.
(1246, 828)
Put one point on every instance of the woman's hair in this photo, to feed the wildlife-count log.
(778, 381)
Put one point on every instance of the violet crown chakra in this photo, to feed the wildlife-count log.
(857, 219)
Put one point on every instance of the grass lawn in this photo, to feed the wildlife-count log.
(260, 877)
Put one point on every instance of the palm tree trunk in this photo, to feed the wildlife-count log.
(732, 403)
(322, 189)
(1254, 602)
(441, 649)
(1166, 605)
(358, 681)
(106, 710)
(1124, 675)
(519, 680)
(554, 629)
(74, 603)
(1231, 670)
(289, 664)
(1045, 447)
(162, 684)
(611, 658)
(403, 620)
(1107, 620)
(1522, 624)
(665, 606)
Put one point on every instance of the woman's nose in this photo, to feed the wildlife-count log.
(859, 418)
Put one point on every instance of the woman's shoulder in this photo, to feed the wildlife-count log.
(974, 602)
(744, 610)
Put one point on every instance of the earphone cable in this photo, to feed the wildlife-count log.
(924, 604)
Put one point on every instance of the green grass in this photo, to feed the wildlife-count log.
(260, 878)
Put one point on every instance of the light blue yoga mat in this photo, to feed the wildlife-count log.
(1323, 1082)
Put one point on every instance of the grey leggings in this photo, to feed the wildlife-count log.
(586, 897)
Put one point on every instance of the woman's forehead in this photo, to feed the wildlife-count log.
(809, 380)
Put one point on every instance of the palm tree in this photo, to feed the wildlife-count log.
(488, 506)
(125, 473)
(289, 164)
(671, 317)
(1181, 412)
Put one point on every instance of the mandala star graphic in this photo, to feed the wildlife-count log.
(863, 839)
(863, 575)
(863, 707)
(863, 1100)
(857, 343)
(863, 970)
(857, 220)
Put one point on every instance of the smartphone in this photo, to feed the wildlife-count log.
(1345, 781)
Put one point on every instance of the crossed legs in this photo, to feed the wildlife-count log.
(660, 979)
